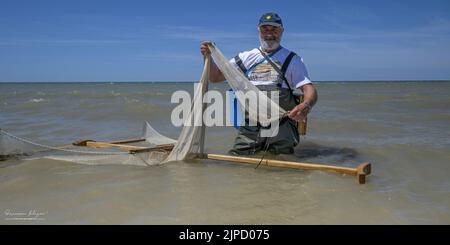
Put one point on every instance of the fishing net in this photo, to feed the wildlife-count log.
(261, 108)
(153, 147)
(14, 147)
(189, 143)
(191, 139)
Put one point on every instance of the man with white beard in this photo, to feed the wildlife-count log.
(271, 68)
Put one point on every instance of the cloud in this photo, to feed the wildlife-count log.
(25, 42)
(169, 56)
(412, 52)
(346, 17)
(436, 30)
(430, 37)
(198, 33)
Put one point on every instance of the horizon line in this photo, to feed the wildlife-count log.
(318, 81)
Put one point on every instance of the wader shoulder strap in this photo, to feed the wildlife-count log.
(276, 68)
(240, 64)
(286, 63)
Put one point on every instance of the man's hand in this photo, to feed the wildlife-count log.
(215, 75)
(300, 112)
(204, 49)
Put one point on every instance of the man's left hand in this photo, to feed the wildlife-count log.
(300, 112)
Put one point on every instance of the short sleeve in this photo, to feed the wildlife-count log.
(297, 74)
(233, 62)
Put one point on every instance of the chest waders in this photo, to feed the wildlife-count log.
(248, 141)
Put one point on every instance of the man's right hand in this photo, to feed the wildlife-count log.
(300, 112)
(204, 49)
(215, 75)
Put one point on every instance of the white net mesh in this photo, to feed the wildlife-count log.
(245, 90)
(189, 143)
(191, 137)
(154, 138)
(12, 147)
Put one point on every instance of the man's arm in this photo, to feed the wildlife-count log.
(215, 75)
(310, 94)
(300, 112)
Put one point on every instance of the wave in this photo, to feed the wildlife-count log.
(37, 100)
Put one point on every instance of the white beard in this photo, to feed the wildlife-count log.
(269, 45)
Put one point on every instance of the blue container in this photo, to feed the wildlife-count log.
(236, 115)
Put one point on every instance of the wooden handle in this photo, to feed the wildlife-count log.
(302, 125)
(360, 172)
(84, 142)
(127, 141)
(164, 147)
(96, 144)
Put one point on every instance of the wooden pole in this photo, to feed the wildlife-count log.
(302, 124)
(164, 147)
(360, 172)
(122, 144)
(95, 144)
(203, 128)
(127, 141)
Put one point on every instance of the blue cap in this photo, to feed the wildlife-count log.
(270, 19)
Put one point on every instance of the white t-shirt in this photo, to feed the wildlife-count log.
(260, 72)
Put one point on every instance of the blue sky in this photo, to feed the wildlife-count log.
(159, 40)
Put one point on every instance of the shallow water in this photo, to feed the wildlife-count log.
(402, 128)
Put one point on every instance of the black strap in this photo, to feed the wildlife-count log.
(275, 67)
(286, 63)
(240, 64)
(280, 72)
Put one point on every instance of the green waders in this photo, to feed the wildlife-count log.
(249, 141)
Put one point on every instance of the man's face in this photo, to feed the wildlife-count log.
(269, 32)
(270, 37)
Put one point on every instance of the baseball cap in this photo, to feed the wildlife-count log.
(270, 19)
